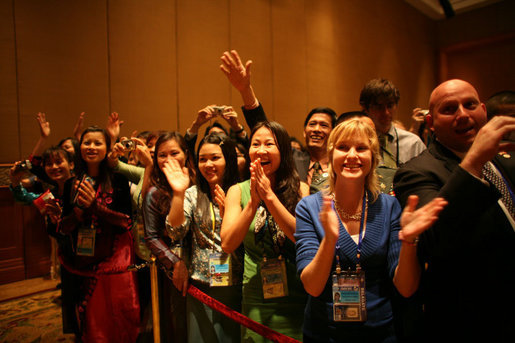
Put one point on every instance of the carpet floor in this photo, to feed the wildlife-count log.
(35, 317)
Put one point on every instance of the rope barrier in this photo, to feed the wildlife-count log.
(239, 318)
(203, 298)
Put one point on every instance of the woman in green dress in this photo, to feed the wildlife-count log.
(260, 213)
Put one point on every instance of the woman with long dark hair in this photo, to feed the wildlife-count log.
(172, 167)
(211, 270)
(96, 218)
(260, 213)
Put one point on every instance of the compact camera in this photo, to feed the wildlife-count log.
(23, 165)
(219, 110)
(129, 144)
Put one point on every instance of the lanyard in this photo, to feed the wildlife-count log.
(360, 239)
(213, 223)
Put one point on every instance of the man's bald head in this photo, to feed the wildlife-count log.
(456, 114)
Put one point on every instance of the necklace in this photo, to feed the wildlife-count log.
(349, 216)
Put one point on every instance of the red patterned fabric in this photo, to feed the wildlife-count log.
(109, 308)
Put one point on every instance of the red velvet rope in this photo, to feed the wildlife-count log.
(238, 317)
(204, 298)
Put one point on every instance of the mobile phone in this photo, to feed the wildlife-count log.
(85, 178)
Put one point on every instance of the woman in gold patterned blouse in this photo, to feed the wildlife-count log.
(211, 270)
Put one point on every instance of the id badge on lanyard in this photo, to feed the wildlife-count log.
(86, 235)
(349, 300)
(348, 287)
(273, 278)
(220, 269)
(86, 241)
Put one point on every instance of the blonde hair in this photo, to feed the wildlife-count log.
(351, 128)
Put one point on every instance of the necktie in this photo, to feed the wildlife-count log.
(388, 159)
(318, 178)
(501, 186)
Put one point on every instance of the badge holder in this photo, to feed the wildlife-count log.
(273, 277)
(220, 269)
(86, 241)
(349, 300)
(348, 287)
(220, 274)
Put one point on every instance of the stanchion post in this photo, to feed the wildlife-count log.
(155, 300)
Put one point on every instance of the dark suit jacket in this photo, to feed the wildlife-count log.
(469, 252)
(300, 158)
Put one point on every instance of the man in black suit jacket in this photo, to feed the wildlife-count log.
(468, 281)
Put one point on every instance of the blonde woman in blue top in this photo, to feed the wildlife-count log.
(353, 247)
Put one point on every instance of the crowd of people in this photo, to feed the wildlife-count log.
(367, 232)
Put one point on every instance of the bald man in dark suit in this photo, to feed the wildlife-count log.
(468, 280)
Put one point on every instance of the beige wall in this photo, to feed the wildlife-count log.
(156, 62)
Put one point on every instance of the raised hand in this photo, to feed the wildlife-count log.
(414, 222)
(231, 117)
(16, 174)
(178, 178)
(117, 150)
(220, 199)
(113, 126)
(77, 130)
(329, 219)
(44, 125)
(142, 152)
(204, 115)
(237, 73)
(488, 143)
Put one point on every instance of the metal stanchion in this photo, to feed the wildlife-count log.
(154, 290)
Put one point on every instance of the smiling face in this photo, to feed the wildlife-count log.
(211, 163)
(170, 150)
(352, 158)
(263, 145)
(317, 131)
(58, 168)
(93, 148)
(456, 114)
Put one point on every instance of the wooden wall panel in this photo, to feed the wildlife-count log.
(12, 267)
(62, 65)
(142, 52)
(323, 56)
(203, 34)
(251, 36)
(289, 64)
(487, 64)
(36, 243)
(8, 92)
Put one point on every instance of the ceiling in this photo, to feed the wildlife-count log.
(434, 10)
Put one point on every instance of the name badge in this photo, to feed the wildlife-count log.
(220, 269)
(273, 278)
(349, 300)
(86, 241)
